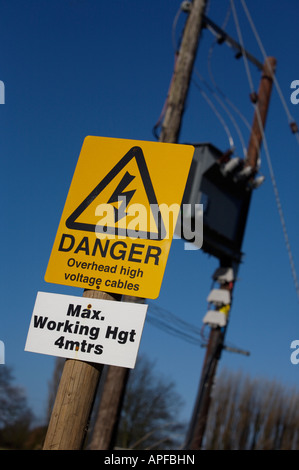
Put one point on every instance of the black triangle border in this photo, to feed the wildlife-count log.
(134, 152)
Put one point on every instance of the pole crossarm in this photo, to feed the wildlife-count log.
(224, 37)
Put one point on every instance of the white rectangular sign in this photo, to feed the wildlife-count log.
(88, 329)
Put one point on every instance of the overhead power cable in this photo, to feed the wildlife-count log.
(279, 207)
(231, 117)
(217, 114)
(220, 92)
(269, 162)
(176, 44)
(176, 51)
(290, 118)
(175, 326)
(239, 33)
(162, 114)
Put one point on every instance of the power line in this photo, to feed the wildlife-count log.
(175, 326)
(282, 99)
(183, 7)
(222, 36)
(267, 153)
(176, 47)
(231, 117)
(217, 114)
(217, 88)
(239, 33)
(171, 324)
(280, 211)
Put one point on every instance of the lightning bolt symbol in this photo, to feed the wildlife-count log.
(124, 197)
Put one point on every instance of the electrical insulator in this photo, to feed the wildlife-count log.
(186, 6)
(231, 165)
(257, 182)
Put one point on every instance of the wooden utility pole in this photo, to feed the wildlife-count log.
(217, 335)
(111, 401)
(182, 74)
(75, 397)
(107, 419)
(260, 115)
(76, 393)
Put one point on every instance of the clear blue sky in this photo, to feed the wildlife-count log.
(73, 68)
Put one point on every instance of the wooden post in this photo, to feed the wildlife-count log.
(106, 425)
(260, 115)
(108, 415)
(201, 408)
(74, 400)
(216, 338)
(182, 74)
(103, 432)
(72, 408)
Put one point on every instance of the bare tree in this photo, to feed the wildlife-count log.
(252, 414)
(149, 418)
(15, 415)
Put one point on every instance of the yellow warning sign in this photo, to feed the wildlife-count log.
(119, 217)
